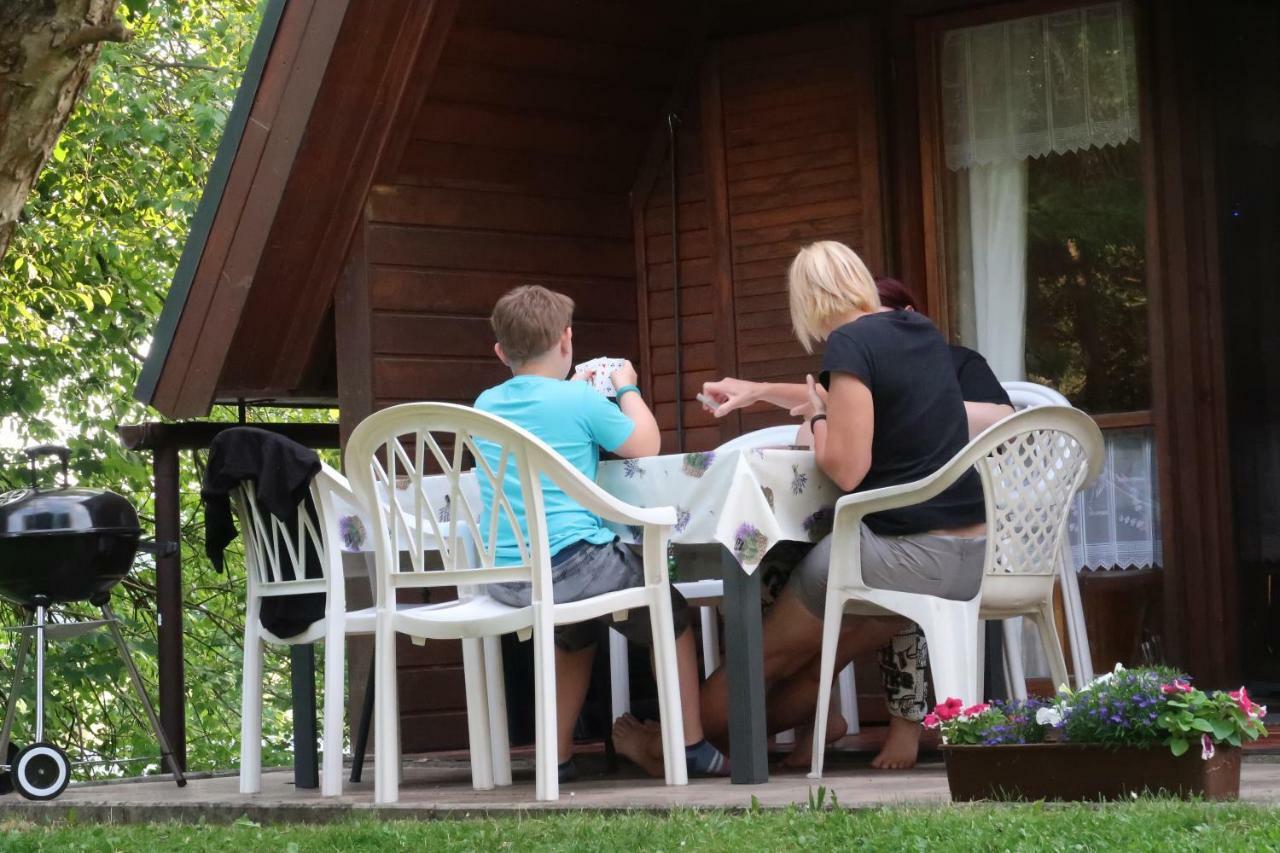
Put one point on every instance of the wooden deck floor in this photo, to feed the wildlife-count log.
(439, 786)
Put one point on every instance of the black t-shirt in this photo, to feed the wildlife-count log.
(919, 415)
(977, 383)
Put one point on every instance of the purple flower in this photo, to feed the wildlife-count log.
(682, 519)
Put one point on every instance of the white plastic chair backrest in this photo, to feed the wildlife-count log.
(1027, 395)
(774, 436)
(1031, 464)
(275, 559)
(1028, 482)
(414, 442)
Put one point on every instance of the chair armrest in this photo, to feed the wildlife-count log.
(596, 499)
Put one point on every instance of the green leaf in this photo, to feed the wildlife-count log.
(1178, 745)
(1202, 725)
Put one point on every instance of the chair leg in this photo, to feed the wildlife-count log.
(1077, 633)
(386, 711)
(477, 714)
(546, 748)
(1015, 675)
(710, 640)
(849, 700)
(334, 711)
(361, 745)
(495, 686)
(831, 619)
(670, 710)
(953, 652)
(1049, 642)
(251, 708)
(619, 674)
(981, 672)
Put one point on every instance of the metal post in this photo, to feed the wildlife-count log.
(748, 737)
(302, 682)
(11, 706)
(40, 617)
(173, 714)
(677, 316)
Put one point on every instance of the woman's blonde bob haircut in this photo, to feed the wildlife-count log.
(827, 280)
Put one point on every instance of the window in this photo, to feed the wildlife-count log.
(1042, 220)
(1040, 223)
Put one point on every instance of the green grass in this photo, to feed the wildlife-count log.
(1145, 825)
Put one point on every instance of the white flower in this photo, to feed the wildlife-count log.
(1206, 747)
(1049, 717)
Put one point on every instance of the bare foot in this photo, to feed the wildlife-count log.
(901, 746)
(637, 741)
(801, 755)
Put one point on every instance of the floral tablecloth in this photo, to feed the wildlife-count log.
(747, 500)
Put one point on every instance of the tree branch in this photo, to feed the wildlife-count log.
(112, 31)
(191, 66)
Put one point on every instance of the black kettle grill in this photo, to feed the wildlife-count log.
(58, 546)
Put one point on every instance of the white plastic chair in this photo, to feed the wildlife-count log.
(405, 440)
(1031, 464)
(269, 551)
(1025, 395)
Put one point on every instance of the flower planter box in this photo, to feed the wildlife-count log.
(1084, 772)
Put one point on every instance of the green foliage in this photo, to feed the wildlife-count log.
(1189, 715)
(1086, 278)
(1120, 707)
(1146, 825)
(1144, 707)
(80, 290)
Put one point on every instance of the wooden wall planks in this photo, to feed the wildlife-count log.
(521, 157)
(787, 153)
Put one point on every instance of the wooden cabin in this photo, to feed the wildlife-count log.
(392, 166)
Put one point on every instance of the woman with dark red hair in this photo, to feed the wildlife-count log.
(985, 400)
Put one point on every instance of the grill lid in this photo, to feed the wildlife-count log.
(41, 511)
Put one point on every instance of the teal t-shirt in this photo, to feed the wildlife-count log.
(576, 421)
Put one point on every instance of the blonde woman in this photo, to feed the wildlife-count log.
(886, 409)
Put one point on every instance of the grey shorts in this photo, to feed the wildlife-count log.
(943, 566)
(585, 570)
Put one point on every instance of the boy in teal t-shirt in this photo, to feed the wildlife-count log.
(535, 339)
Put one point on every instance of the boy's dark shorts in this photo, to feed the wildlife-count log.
(585, 570)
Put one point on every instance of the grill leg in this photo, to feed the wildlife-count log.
(11, 706)
(113, 624)
(40, 620)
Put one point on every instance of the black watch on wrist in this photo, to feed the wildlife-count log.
(821, 416)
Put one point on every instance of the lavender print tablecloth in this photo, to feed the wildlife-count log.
(747, 500)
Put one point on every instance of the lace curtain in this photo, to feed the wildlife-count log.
(1048, 83)
(1115, 523)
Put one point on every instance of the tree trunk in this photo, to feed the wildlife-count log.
(47, 48)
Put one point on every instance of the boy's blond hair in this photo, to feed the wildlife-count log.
(529, 320)
(826, 280)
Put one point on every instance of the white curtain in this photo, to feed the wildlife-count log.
(998, 249)
(1115, 523)
(1046, 83)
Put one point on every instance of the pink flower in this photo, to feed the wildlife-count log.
(1206, 747)
(932, 721)
(1245, 703)
(1177, 686)
(974, 710)
(949, 709)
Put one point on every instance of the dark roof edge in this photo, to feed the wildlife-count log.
(202, 222)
